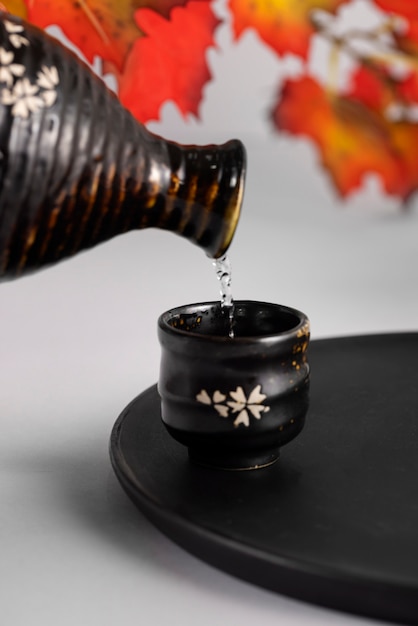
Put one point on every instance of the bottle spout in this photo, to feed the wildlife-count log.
(206, 193)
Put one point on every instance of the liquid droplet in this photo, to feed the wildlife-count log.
(223, 272)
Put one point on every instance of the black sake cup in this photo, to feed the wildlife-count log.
(234, 402)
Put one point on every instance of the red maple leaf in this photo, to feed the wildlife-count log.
(104, 28)
(352, 138)
(169, 62)
(97, 27)
(155, 48)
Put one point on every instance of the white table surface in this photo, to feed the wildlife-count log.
(78, 342)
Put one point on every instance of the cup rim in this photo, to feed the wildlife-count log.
(164, 325)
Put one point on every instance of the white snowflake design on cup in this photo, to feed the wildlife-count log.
(22, 95)
(238, 403)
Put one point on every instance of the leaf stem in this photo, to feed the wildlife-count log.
(94, 21)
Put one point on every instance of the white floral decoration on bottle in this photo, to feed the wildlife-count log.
(24, 98)
(9, 70)
(237, 404)
(48, 79)
(15, 34)
(22, 95)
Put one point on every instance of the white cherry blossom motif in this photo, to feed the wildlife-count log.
(48, 79)
(15, 34)
(204, 397)
(238, 403)
(20, 93)
(216, 400)
(24, 98)
(8, 69)
(243, 406)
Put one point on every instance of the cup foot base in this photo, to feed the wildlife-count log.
(234, 461)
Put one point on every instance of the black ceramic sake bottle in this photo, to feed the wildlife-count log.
(77, 169)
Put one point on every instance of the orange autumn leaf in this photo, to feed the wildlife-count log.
(352, 139)
(169, 62)
(105, 28)
(284, 25)
(16, 7)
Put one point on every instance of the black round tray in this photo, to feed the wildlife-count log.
(335, 521)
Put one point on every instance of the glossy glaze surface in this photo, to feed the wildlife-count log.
(77, 169)
(234, 402)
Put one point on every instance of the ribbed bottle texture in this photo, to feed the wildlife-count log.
(77, 169)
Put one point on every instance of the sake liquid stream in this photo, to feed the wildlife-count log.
(223, 272)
